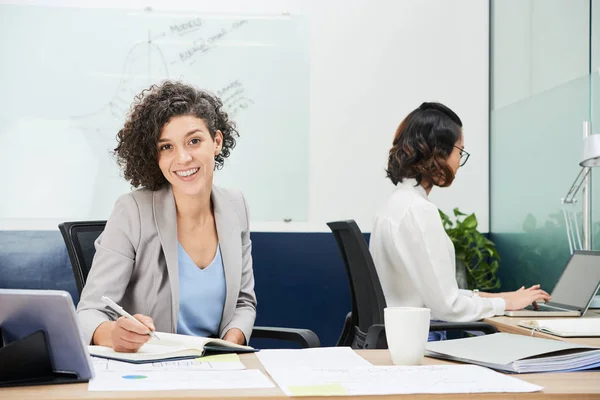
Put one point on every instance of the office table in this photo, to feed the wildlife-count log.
(574, 385)
(509, 325)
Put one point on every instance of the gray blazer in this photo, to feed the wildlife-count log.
(136, 262)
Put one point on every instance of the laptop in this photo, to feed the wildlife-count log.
(574, 291)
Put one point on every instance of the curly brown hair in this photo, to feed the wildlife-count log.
(137, 152)
(422, 144)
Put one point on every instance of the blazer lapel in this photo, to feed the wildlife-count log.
(228, 230)
(165, 215)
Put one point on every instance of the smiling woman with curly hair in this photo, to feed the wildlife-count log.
(177, 251)
(151, 111)
(413, 255)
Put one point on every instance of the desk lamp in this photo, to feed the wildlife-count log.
(591, 158)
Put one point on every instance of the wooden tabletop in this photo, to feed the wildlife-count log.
(573, 385)
(509, 325)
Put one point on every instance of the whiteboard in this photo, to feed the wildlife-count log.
(68, 76)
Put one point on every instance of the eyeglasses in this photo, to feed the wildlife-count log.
(464, 156)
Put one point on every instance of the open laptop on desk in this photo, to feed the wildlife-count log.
(574, 290)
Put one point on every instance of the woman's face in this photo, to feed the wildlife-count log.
(186, 154)
(454, 158)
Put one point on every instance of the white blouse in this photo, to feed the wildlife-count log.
(415, 259)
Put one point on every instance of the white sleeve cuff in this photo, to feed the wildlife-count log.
(499, 305)
(464, 292)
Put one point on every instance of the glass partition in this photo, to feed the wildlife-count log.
(542, 90)
(595, 114)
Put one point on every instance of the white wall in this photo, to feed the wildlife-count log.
(372, 62)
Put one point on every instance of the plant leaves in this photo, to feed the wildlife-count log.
(458, 213)
(478, 253)
(445, 220)
(470, 222)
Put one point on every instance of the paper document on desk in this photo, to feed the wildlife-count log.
(320, 357)
(565, 327)
(388, 380)
(221, 362)
(178, 380)
(517, 353)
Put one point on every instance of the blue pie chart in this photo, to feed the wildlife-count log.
(134, 376)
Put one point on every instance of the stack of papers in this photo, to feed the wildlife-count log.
(340, 371)
(517, 353)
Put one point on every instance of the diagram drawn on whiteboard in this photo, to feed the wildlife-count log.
(87, 66)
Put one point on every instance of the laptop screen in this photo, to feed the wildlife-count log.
(579, 280)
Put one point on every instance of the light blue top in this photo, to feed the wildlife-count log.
(201, 295)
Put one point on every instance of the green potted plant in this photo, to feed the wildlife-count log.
(477, 259)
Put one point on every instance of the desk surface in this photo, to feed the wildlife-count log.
(574, 385)
(509, 324)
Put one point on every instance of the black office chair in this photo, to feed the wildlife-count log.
(364, 325)
(79, 238)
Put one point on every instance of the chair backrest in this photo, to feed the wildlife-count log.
(80, 237)
(368, 300)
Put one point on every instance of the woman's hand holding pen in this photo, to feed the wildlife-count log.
(128, 337)
(124, 335)
(523, 297)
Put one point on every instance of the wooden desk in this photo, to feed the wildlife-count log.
(509, 325)
(574, 385)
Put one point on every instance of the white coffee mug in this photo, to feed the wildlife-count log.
(407, 329)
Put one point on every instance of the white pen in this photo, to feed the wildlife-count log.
(119, 310)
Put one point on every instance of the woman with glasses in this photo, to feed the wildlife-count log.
(413, 255)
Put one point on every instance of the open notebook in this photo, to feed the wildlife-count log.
(517, 353)
(567, 327)
(172, 347)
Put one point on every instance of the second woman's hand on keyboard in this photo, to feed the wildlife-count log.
(523, 297)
